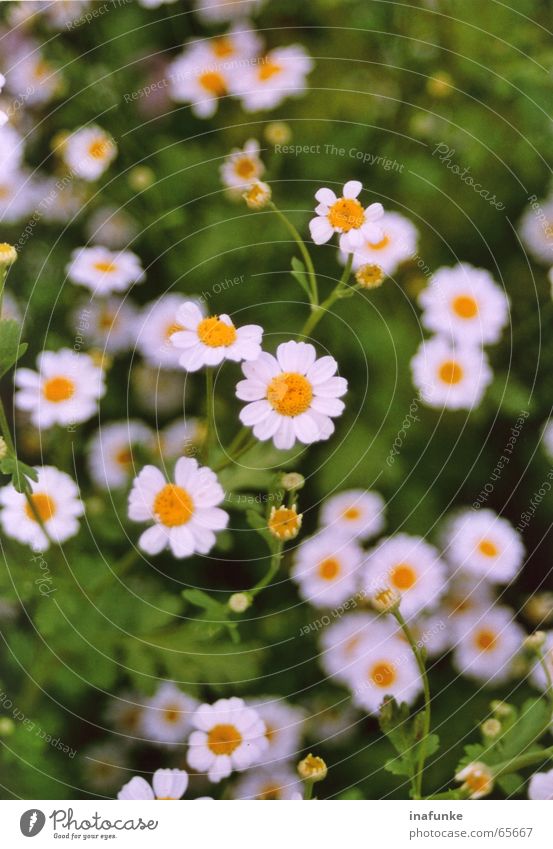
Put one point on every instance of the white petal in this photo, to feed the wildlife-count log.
(181, 541)
(374, 212)
(334, 387)
(296, 356)
(306, 429)
(153, 540)
(328, 406)
(321, 370)
(352, 188)
(320, 229)
(326, 196)
(255, 412)
(285, 436)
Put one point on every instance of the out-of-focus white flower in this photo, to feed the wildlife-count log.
(65, 390)
(159, 393)
(104, 765)
(58, 199)
(450, 376)
(397, 243)
(197, 78)
(168, 715)
(229, 736)
(536, 230)
(104, 271)
(107, 323)
(541, 785)
(3, 117)
(465, 303)
(342, 641)
(270, 79)
(484, 546)
(111, 462)
(126, 712)
(267, 783)
(111, 227)
(411, 567)
(157, 323)
(167, 784)
(242, 166)
(180, 438)
(56, 502)
(487, 645)
(185, 513)
(88, 152)
(33, 78)
(17, 195)
(11, 150)
(327, 569)
(155, 4)
(292, 397)
(216, 11)
(385, 666)
(284, 726)
(203, 341)
(347, 216)
(355, 512)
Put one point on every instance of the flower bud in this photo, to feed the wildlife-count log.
(239, 602)
(385, 600)
(312, 768)
(3, 448)
(258, 195)
(8, 255)
(285, 522)
(370, 276)
(477, 780)
(292, 481)
(141, 177)
(278, 132)
(491, 729)
(7, 726)
(501, 710)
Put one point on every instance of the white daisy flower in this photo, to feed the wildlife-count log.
(347, 216)
(284, 726)
(196, 77)
(432, 632)
(184, 513)
(450, 376)
(292, 396)
(483, 545)
(111, 227)
(104, 271)
(180, 438)
(216, 11)
(385, 666)
(88, 152)
(167, 784)
(281, 73)
(537, 676)
(107, 323)
(465, 303)
(157, 323)
(242, 166)
(58, 202)
(126, 712)
(111, 461)
(331, 723)
(409, 566)
(536, 230)
(17, 196)
(33, 78)
(341, 643)
(397, 243)
(11, 150)
(65, 390)
(467, 598)
(55, 497)
(208, 341)
(355, 512)
(268, 783)
(229, 736)
(487, 645)
(541, 786)
(327, 569)
(168, 715)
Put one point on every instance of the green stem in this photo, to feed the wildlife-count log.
(308, 792)
(522, 761)
(427, 701)
(336, 294)
(276, 558)
(304, 252)
(3, 276)
(232, 458)
(210, 412)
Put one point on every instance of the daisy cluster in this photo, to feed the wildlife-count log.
(466, 309)
(448, 594)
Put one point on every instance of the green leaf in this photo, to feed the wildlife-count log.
(400, 766)
(533, 720)
(512, 785)
(299, 273)
(11, 348)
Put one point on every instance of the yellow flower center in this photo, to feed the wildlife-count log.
(351, 514)
(268, 69)
(269, 792)
(485, 639)
(450, 372)
(58, 389)
(215, 333)
(465, 306)
(245, 167)
(477, 781)
(172, 714)
(213, 82)
(222, 46)
(107, 320)
(124, 457)
(346, 214)
(44, 506)
(173, 506)
(488, 548)
(224, 739)
(173, 328)
(383, 674)
(284, 523)
(378, 246)
(329, 569)
(105, 267)
(98, 148)
(289, 393)
(4, 192)
(403, 576)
